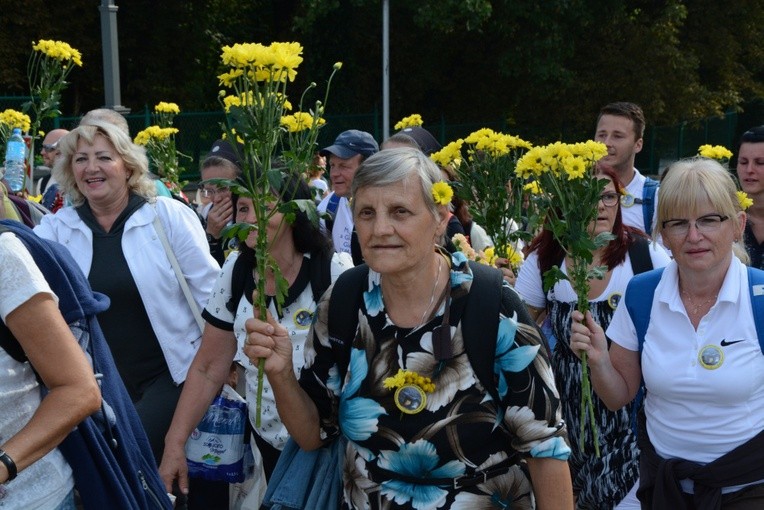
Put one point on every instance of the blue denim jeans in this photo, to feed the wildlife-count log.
(68, 502)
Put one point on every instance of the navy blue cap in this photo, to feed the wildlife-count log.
(423, 138)
(351, 143)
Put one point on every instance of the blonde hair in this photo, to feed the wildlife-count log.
(134, 157)
(690, 183)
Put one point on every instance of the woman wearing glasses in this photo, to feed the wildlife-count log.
(700, 359)
(604, 482)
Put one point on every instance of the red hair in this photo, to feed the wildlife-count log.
(551, 253)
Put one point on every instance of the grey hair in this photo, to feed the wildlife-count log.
(134, 157)
(391, 166)
(691, 181)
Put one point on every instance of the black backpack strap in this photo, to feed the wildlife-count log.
(320, 272)
(345, 301)
(480, 323)
(639, 253)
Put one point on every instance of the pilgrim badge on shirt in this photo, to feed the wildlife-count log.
(411, 395)
(711, 357)
(627, 200)
(613, 299)
(303, 318)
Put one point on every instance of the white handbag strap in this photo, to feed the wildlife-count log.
(176, 267)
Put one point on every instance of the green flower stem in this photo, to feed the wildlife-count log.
(580, 280)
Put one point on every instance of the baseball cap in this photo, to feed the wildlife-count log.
(423, 138)
(350, 143)
(223, 149)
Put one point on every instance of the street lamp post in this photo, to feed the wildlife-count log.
(110, 45)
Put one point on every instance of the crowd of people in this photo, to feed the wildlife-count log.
(430, 372)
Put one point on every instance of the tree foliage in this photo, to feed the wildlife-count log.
(543, 68)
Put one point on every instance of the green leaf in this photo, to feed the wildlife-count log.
(553, 276)
(238, 230)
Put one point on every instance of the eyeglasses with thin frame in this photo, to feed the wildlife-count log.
(705, 225)
(211, 192)
(49, 147)
(609, 199)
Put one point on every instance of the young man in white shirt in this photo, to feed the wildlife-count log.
(621, 126)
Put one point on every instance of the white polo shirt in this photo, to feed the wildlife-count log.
(697, 413)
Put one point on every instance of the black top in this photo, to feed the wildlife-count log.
(125, 324)
(754, 248)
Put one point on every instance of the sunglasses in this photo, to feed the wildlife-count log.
(49, 147)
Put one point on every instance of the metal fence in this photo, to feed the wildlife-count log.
(662, 144)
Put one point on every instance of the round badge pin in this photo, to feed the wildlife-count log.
(303, 318)
(711, 357)
(627, 200)
(613, 300)
(410, 399)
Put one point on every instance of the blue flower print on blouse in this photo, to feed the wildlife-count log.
(417, 460)
(510, 357)
(358, 416)
(372, 298)
(458, 276)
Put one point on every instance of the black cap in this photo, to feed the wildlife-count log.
(223, 149)
(423, 138)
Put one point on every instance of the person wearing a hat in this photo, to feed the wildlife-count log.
(345, 155)
(222, 162)
(750, 173)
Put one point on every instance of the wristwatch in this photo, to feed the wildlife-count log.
(9, 465)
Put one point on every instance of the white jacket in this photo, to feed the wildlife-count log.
(171, 318)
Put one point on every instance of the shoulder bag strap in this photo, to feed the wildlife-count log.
(178, 273)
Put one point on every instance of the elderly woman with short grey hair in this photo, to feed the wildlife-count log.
(424, 429)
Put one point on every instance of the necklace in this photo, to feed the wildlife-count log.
(432, 296)
(697, 307)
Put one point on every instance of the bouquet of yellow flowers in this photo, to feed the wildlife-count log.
(10, 119)
(565, 185)
(717, 152)
(159, 140)
(489, 183)
(256, 109)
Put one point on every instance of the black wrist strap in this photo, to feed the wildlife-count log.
(9, 465)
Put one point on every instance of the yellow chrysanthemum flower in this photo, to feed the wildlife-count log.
(58, 50)
(574, 166)
(16, 119)
(229, 79)
(717, 152)
(163, 107)
(442, 193)
(533, 187)
(743, 200)
(300, 121)
(489, 255)
(154, 133)
(410, 121)
(451, 154)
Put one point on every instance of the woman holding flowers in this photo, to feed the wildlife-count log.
(422, 430)
(308, 264)
(599, 482)
(701, 431)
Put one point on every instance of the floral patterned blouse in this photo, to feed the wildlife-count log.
(461, 429)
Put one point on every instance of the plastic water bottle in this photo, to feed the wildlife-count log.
(15, 161)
